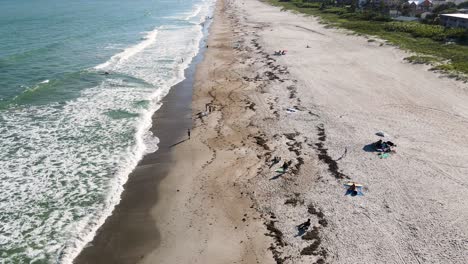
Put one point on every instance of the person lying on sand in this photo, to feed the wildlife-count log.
(304, 226)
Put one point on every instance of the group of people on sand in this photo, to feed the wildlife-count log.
(280, 52)
(384, 146)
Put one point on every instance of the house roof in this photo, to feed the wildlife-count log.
(418, 2)
(465, 16)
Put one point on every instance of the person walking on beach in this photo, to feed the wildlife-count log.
(188, 133)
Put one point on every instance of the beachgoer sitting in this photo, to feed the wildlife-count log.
(378, 145)
(304, 226)
(285, 166)
(385, 147)
(283, 52)
(353, 189)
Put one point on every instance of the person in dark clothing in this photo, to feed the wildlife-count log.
(304, 226)
(353, 190)
(188, 133)
(378, 145)
(285, 166)
(275, 160)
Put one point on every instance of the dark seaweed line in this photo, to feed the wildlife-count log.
(323, 155)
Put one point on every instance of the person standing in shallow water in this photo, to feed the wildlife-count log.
(188, 133)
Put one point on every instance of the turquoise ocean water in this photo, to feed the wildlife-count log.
(70, 134)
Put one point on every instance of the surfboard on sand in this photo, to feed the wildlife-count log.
(281, 170)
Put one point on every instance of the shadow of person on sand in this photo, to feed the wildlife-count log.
(277, 176)
(175, 144)
(370, 148)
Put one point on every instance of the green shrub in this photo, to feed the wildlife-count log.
(307, 5)
(350, 16)
(435, 32)
(441, 9)
(335, 10)
(418, 59)
(366, 15)
(463, 5)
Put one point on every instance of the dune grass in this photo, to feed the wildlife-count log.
(445, 56)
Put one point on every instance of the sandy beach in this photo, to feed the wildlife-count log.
(216, 198)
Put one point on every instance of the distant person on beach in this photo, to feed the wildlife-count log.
(304, 226)
(285, 165)
(188, 133)
(353, 188)
(384, 146)
(275, 160)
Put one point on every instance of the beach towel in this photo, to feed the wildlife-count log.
(358, 191)
(384, 155)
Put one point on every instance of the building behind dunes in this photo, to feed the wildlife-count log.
(454, 20)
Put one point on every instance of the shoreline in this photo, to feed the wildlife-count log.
(169, 123)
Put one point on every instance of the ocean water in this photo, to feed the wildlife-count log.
(70, 134)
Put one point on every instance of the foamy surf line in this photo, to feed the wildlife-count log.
(119, 58)
(145, 141)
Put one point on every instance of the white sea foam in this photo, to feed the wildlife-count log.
(45, 81)
(120, 58)
(195, 12)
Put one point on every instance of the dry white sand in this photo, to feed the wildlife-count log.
(415, 203)
(415, 207)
